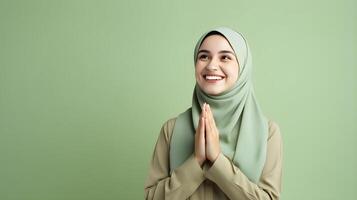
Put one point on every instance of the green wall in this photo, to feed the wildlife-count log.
(86, 85)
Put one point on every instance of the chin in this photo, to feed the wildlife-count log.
(213, 92)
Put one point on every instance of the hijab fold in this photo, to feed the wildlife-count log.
(243, 129)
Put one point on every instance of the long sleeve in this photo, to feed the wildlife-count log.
(182, 182)
(230, 179)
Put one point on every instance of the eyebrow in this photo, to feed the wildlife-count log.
(223, 51)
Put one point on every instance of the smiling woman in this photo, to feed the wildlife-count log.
(216, 66)
(222, 147)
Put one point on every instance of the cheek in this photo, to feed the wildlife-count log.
(235, 78)
(232, 74)
(235, 71)
(198, 70)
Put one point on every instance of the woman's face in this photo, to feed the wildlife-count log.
(216, 68)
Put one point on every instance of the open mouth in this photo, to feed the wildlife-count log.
(213, 78)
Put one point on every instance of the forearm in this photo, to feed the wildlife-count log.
(235, 184)
(181, 184)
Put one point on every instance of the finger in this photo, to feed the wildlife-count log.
(199, 127)
(209, 113)
(207, 123)
(201, 116)
(204, 110)
(213, 122)
(202, 128)
(204, 119)
(200, 122)
(197, 134)
(209, 117)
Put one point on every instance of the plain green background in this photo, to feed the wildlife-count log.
(85, 87)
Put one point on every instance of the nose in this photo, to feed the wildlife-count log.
(212, 68)
(213, 65)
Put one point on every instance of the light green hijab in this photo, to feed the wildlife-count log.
(243, 129)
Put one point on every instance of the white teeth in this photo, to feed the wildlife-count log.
(213, 77)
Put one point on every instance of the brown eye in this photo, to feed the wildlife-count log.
(226, 58)
(203, 57)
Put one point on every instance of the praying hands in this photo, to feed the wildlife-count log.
(207, 137)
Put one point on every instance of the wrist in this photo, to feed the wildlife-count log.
(214, 158)
(200, 161)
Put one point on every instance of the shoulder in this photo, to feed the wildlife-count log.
(275, 140)
(168, 127)
(274, 129)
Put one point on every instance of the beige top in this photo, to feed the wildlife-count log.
(222, 180)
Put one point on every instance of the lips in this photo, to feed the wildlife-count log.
(213, 77)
